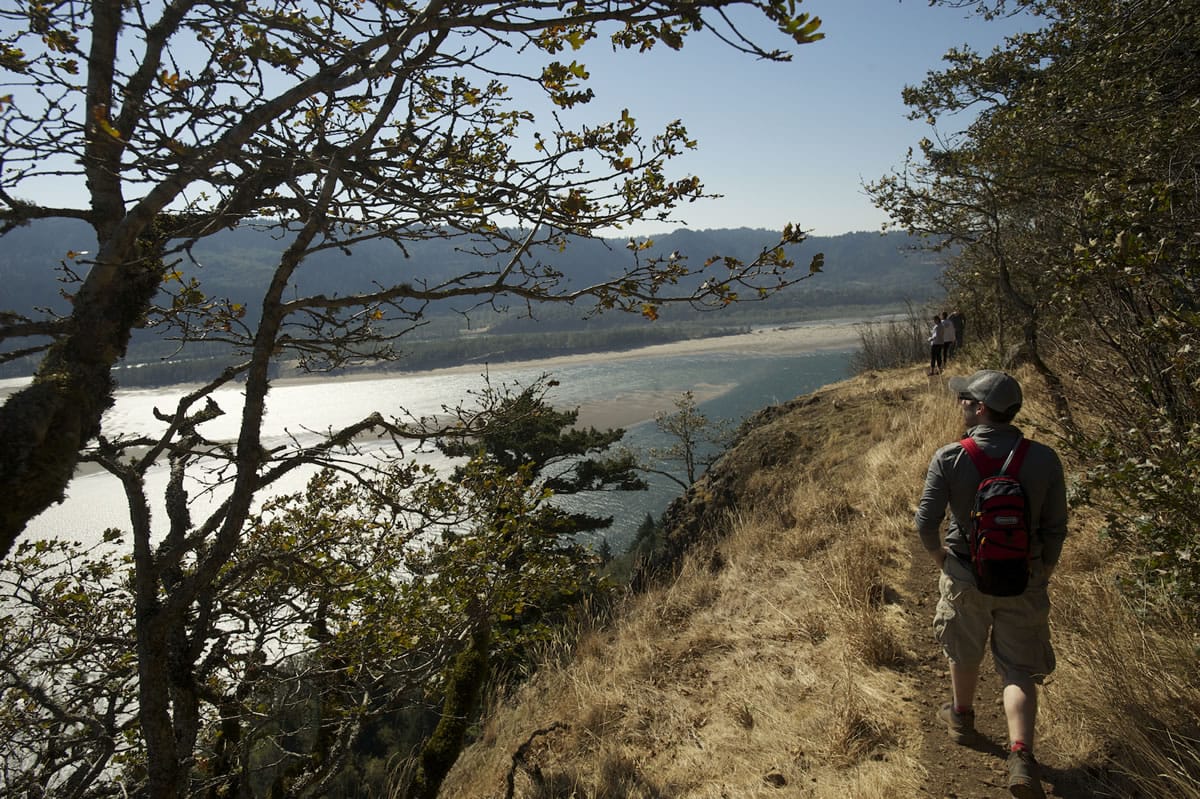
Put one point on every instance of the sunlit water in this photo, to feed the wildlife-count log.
(747, 382)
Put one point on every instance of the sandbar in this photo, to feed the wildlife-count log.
(636, 407)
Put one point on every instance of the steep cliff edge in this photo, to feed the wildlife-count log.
(788, 652)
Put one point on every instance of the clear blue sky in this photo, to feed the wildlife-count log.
(794, 142)
(790, 142)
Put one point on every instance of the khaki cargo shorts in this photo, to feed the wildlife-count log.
(1019, 626)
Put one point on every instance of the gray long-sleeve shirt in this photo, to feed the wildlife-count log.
(952, 479)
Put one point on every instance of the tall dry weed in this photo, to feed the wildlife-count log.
(857, 583)
(1132, 684)
(401, 772)
(893, 343)
(855, 732)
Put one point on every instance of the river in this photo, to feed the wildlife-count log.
(732, 379)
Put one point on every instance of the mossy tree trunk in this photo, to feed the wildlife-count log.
(464, 689)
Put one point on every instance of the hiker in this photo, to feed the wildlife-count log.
(959, 322)
(1019, 624)
(947, 337)
(935, 347)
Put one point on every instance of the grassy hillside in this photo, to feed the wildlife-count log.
(793, 656)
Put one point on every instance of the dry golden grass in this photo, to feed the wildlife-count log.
(775, 663)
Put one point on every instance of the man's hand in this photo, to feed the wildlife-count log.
(938, 555)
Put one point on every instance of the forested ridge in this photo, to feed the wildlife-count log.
(237, 264)
(861, 269)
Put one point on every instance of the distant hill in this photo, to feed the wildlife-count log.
(238, 263)
(861, 269)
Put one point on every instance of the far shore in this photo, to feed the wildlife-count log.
(802, 337)
(636, 407)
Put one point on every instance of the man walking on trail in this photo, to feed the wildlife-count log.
(1019, 624)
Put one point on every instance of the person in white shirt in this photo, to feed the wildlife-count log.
(948, 338)
(936, 350)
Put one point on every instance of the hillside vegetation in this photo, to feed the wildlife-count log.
(861, 267)
(784, 648)
(792, 653)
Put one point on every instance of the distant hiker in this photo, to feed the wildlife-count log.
(960, 327)
(1019, 625)
(947, 338)
(936, 351)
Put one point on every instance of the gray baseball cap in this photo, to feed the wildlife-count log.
(997, 390)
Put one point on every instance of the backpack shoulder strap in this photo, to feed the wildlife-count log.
(1012, 465)
(985, 465)
(988, 466)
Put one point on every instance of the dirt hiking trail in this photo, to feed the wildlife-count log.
(976, 770)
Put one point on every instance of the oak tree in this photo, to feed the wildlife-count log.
(347, 607)
(328, 125)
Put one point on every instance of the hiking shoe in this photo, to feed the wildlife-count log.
(1023, 781)
(961, 726)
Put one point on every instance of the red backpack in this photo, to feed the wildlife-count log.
(999, 539)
